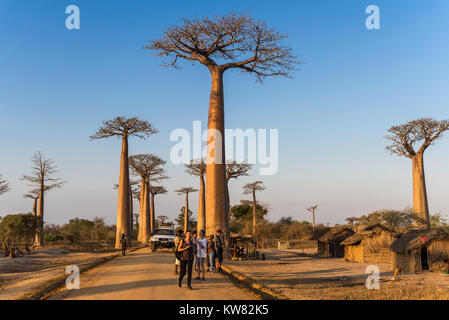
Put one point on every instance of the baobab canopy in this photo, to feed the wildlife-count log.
(231, 41)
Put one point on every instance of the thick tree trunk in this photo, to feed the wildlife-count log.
(420, 204)
(153, 219)
(254, 214)
(313, 217)
(186, 214)
(201, 207)
(145, 219)
(131, 213)
(123, 195)
(35, 207)
(39, 238)
(215, 162)
(141, 212)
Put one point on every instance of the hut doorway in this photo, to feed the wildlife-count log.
(424, 261)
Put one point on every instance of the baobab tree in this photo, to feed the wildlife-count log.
(198, 168)
(122, 127)
(251, 188)
(148, 167)
(186, 191)
(161, 219)
(155, 190)
(34, 195)
(4, 186)
(221, 43)
(43, 179)
(425, 132)
(234, 170)
(312, 210)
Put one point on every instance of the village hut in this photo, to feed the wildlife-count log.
(371, 244)
(329, 245)
(420, 250)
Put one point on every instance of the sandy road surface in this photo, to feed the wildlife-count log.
(142, 275)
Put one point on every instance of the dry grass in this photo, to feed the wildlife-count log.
(306, 277)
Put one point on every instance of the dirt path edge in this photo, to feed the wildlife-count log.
(255, 288)
(49, 288)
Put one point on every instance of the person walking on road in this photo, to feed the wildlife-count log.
(201, 248)
(123, 243)
(211, 253)
(177, 254)
(195, 260)
(219, 249)
(186, 249)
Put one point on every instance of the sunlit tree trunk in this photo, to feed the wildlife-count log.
(153, 219)
(145, 219)
(186, 214)
(254, 213)
(35, 207)
(39, 238)
(215, 164)
(420, 204)
(141, 212)
(131, 209)
(123, 195)
(202, 207)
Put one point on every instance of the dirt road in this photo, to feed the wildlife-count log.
(142, 275)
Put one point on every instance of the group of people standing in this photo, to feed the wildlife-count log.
(193, 249)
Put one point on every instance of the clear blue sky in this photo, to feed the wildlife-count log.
(56, 86)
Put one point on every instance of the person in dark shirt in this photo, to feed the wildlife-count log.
(219, 249)
(186, 249)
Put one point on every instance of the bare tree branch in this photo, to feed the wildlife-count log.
(4, 186)
(43, 173)
(234, 41)
(123, 127)
(405, 136)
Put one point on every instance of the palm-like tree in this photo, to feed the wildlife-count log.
(252, 188)
(198, 168)
(221, 43)
(404, 137)
(4, 186)
(123, 128)
(43, 180)
(186, 191)
(34, 195)
(150, 168)
(312, 211)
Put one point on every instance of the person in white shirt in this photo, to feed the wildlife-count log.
(201, 243)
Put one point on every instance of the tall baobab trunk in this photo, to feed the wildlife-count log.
(123, 195)
(201, 207)
(152, 217)
(145, 219)
(141, 212)
(254, 213)
(420, 204)
(131, 209)
(186, 213)
(35, 207)
(39, 237)
(215, 172)
(313, 217)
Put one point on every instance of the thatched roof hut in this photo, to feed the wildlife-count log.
(369, 245)
(329, 244)
(418, 250)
